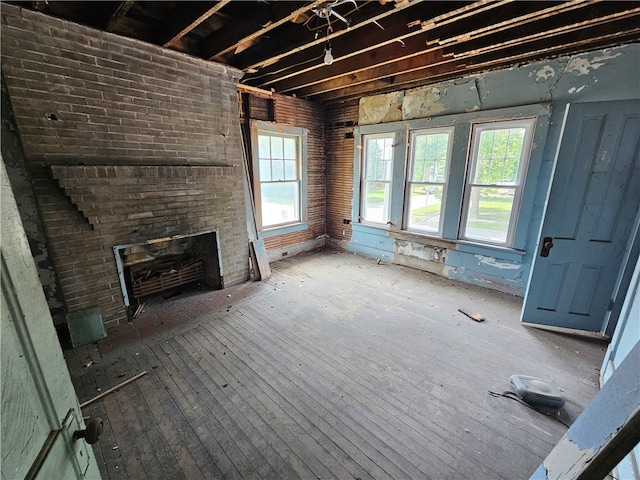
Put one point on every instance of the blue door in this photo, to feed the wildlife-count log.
(592, 206)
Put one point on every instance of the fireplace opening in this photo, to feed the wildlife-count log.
(167, 265)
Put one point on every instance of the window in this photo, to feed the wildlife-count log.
(376, 181)
(457, 178)
(429, 153)
(279, 158)
(497, 165)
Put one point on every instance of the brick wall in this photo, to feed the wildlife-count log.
(341, 119)
(94, 208)
(126, 142)
(116, 100)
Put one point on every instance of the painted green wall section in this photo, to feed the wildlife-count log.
(601, 75)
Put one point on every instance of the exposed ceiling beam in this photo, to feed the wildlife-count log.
(457, 67)
(370, 37)
(119, 14)
(389, 53)
(574, 27)
(322, 40)
(429, 57)
(376, 70)
(211, 49)
(292, 36)
(183, 18)
(520, 20)
(304, 77)
(355, 44)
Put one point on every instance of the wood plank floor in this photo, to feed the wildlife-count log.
(337, 367)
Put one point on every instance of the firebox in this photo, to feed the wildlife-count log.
(165, 264)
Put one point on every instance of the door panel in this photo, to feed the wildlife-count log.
(40, 410)
(592, 205)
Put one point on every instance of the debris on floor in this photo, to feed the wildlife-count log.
(473, 316)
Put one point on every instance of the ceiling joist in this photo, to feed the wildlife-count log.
(183, 18)
(377, 46)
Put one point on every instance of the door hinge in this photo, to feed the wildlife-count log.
(611, 303)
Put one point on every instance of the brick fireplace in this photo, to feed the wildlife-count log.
(121, 222)
(125, 144)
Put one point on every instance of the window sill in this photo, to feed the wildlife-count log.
(275, 231)
(423, 239)
(503, 253)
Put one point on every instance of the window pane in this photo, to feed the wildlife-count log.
(263, 146)
(280, 203)
(289, 148)
(290, 170)
(376, 202)
(378, 158)
(265, 170)
(277, 170)
(499, 153)
(425, 205)
(430, 157)
(276, 147)
(489, 214)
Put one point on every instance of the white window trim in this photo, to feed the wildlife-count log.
(363, 180)
(271, 128)
(452, 212)
(409, 175)
(477, 128)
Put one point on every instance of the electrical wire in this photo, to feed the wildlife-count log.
(513, 396)
(314, 59)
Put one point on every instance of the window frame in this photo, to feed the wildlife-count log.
(364, 180)
(369, 234)
(285, 131)
(412, 136)
(477, 128)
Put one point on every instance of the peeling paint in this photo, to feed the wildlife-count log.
(457, 96)
(423, 102)
(381, 108)
(577, 90)
(557, 465)
(424, 252)
(583, 66)
(545, 73)
(492, 262)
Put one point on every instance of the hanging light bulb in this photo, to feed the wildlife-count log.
(328, 58)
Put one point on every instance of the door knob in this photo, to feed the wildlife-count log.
(92, 433)
(547, 244)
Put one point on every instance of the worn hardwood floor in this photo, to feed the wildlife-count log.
(337, 367)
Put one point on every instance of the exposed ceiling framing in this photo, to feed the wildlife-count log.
(386, 45)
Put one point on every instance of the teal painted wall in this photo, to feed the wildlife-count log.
(601, 75)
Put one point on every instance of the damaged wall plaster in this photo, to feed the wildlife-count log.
(381, 108)
(600, 75)
(424, 252)
(493, 262)
(581, 65)
(444, 98)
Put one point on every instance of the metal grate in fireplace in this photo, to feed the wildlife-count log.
(165, 264)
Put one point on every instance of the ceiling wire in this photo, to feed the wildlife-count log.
(314, 59)
(322, 24)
